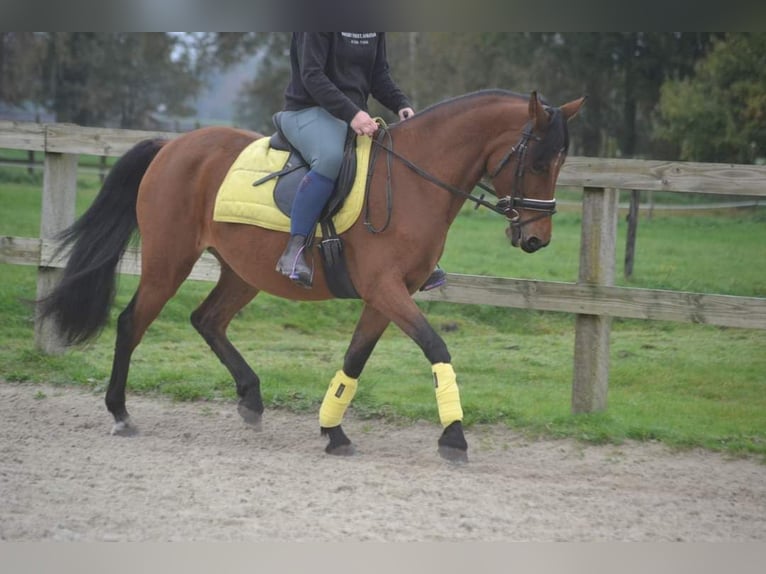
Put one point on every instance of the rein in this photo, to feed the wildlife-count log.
(506, 206)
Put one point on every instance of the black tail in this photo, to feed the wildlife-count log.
(81, 301)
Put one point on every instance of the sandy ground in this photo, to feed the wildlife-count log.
(196, 472)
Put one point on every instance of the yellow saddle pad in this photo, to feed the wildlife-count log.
(239, 202)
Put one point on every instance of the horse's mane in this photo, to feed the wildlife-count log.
(467, 99)
(556, 139)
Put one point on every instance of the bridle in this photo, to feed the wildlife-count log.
(507, 206)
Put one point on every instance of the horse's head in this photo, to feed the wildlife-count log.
(528, 172)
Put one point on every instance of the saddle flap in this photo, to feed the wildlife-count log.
(346, 177)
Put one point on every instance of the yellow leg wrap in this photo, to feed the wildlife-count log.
(336, 400)
(447, 394)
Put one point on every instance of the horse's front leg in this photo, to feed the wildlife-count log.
(399, 307)
(343, 386)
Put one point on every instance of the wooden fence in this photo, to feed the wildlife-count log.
(594, 298)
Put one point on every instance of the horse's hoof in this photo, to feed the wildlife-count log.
(453, 454)
(452, 444)
(124, 428)
(250, 417)
(340, 444)
(341, 450)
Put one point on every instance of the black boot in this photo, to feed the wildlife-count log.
(437, 278)
(293, 264)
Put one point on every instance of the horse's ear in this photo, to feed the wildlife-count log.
(570, 109)
(537, 114)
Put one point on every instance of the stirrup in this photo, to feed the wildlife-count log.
(303, 278)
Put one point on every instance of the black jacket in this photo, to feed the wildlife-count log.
(339, 71)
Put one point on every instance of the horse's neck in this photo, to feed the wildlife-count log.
(458, 142)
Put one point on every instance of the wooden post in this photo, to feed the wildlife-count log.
(102, 169)
(597, 263)
(630, 241)
(57, 213)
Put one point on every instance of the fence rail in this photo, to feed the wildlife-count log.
(627, 302)
(593, 298)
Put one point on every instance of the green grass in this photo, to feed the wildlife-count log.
(684, 385)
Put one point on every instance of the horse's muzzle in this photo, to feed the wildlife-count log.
(532, 244)
(528, 244)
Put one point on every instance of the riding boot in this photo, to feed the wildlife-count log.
(293, 264)
(313, 192)
(437, 278)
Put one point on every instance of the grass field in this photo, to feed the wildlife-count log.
(685, 385)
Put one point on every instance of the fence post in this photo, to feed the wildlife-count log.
(597, 263)
(630, 241)
(57, 213)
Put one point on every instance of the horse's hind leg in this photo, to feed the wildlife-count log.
(369, 328)
(143, 308)
(211, 320)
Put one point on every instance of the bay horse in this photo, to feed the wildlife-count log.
(166, 189)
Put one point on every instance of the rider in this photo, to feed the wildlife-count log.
(332, 76)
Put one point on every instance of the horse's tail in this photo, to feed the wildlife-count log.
(80, 302)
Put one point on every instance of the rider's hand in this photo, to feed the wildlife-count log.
(405, 113)
(364, 124)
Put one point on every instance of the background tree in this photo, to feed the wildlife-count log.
(262, 96)
(645, 62)
(19, 67)
(620, 72)
(118, 79)
(712, 110)
(719, 114)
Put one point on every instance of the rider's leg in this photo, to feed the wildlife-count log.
(319, 137)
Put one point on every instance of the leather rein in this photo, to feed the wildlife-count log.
(506, 206)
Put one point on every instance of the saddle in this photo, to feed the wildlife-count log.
(288, 178)
(296, 167)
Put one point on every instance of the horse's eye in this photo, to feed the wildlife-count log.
(539, 168)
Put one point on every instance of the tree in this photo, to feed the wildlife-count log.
(119, 79)
(261, 97)
(19, 55)
(645, 62)
(620, 72)
(719, 115)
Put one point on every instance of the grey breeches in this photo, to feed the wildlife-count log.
(319, 136)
